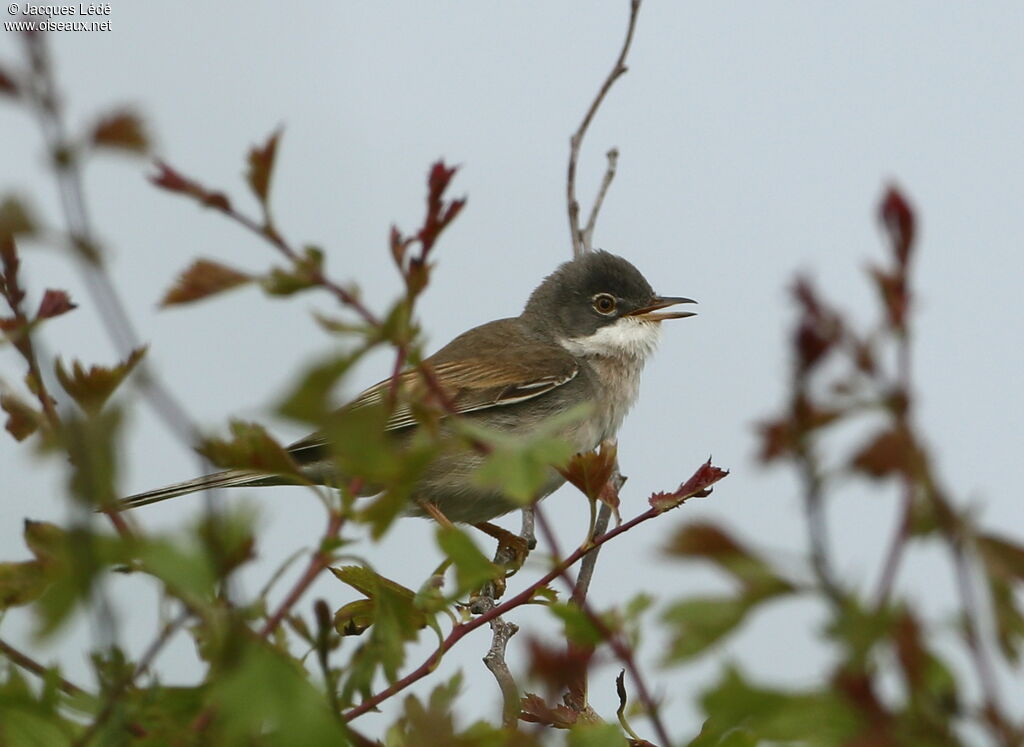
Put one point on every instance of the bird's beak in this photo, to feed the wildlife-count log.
(652, 312)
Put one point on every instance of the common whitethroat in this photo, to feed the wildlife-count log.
(583, 338)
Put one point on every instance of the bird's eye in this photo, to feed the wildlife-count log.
(604, 303)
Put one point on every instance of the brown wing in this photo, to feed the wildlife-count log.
(485, 367)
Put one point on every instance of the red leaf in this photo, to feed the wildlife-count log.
(439, 213)
(261, 166)
(893, 290)
(705, 476)
(201, 279)
(591, 471)
(818, 330)
(898, 219)
(887, 453)
(910, 650)
(171, 180)
(54, 303)
(535, 710)
(7, 84)
(122, 130)
(560, 668)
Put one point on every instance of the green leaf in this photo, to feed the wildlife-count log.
(310, 399)
(306, 272)
(250, 447)
(812, 718)
(266, 698)
(21, 583)
(90, 389)
(22, 420)
(472, 568)
(91, 445)
(15, 218)
(354, 617)
(186, 571)
(695, 624)
(579, 628)
(596, 735)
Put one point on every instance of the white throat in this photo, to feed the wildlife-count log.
(627, 338)
(616, 354)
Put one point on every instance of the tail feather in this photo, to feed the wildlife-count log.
(232, 478)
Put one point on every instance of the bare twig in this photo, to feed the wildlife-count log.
(582, 586)
(494, 660)
(817, 529)
(587, 237)
(29, 664)
(622, 650)
(579, 244)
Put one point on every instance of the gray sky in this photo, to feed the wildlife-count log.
(755, 139)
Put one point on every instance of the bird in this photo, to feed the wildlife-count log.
(582, 338)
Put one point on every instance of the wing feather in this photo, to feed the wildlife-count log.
(497, 376)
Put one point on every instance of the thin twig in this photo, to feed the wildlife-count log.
(105, 297)
(317, 563)
(278, 242)
(113, 697)
(622, 650)
(582, 586)
(578, 245)
(460, 631)
(817, 528)
(501, 632)
(587, 238)
(29, 664)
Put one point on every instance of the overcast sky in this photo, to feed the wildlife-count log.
(755, 139)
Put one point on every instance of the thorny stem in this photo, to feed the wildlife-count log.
(622, 650)
(576, 141)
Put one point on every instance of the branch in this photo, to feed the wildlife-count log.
(276, 240)
(320, 560)
(579, 238)
(494, 660)
(463, 629)
(113, 697)
(587, 236)
(27, 663)
(622, 650)
(116, 322)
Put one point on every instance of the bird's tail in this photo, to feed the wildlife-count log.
(232, 478)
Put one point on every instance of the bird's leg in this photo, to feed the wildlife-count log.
(435, 513)
(511, 552)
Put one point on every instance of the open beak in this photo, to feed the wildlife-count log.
(652, 312)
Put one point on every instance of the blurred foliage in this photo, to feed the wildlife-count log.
(269, 673)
